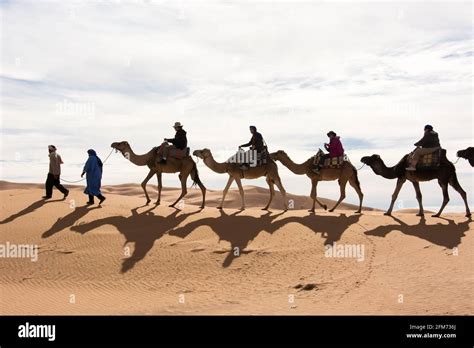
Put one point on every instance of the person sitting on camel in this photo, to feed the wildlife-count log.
(334, 147)
(179, 141)
(426, 145)
(256, 143)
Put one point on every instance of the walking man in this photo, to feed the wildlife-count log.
(54, 173)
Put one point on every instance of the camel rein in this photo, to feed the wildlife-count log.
(457, 160)
(82, 179)
(362, 166)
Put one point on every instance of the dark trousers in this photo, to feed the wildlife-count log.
(53, 181)
(91, 198)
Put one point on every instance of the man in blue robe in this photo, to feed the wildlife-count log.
(93, 171)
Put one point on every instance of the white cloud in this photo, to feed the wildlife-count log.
(374, 72)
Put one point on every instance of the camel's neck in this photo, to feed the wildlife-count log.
(139, 160)
(215, 166)
(298, 169)
(380, 168)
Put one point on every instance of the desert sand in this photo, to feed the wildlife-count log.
(127, 258)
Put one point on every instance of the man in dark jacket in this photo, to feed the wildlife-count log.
(428, 144)
(179, 141)
(256, 142)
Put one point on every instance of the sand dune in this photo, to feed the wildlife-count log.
(126, 258)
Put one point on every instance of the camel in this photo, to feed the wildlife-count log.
(467, 154)
(185, 167)
(346, 173)
(445, 174)
(270, 171)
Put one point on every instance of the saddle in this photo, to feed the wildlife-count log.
(179, 154)
(428, 161)
(333, 162)
(173, 152)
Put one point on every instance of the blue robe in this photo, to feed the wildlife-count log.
(93, 176)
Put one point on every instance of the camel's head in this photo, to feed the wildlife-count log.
(369, 160)
(278, 155)
(121, 146)
(465, 153)
(202, 154)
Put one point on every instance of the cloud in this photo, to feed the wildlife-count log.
(91, 73)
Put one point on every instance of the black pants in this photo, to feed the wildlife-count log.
(91, 198)
(52, 181)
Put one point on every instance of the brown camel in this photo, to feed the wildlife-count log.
(346, 173)
(467, 154)
(185, 167)
(270, 171)
(445, 174)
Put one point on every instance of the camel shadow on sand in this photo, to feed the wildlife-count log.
(68, 220)
(142, 229)
(240, 230)
(440, 234)
(29, 209)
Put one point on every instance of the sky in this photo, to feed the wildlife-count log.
(83, 74)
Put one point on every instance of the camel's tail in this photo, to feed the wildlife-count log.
(195, 176)
(356, 177)
(453, 179)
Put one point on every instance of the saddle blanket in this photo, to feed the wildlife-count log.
(334, 162)
(179, 154)
(173, 152)
(431, 160)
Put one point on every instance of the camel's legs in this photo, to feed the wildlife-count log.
(453, 181)
(416, 185)
(356, 185)
(400, 183)
(184, 190)
(241, 191)
(444, 187)
(272, 192)
(148, 177)
(160, 186)
(314, 196)
(282, 191)
(229, 182)
(342, 188)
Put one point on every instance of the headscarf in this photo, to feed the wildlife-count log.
(92, 152)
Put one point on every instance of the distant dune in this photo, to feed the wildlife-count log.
(255, 197)
(126, 258)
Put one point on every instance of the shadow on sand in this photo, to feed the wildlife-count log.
(448, 235)
(31, 208)
(142, 229)
(240, 230)
(68, 220)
